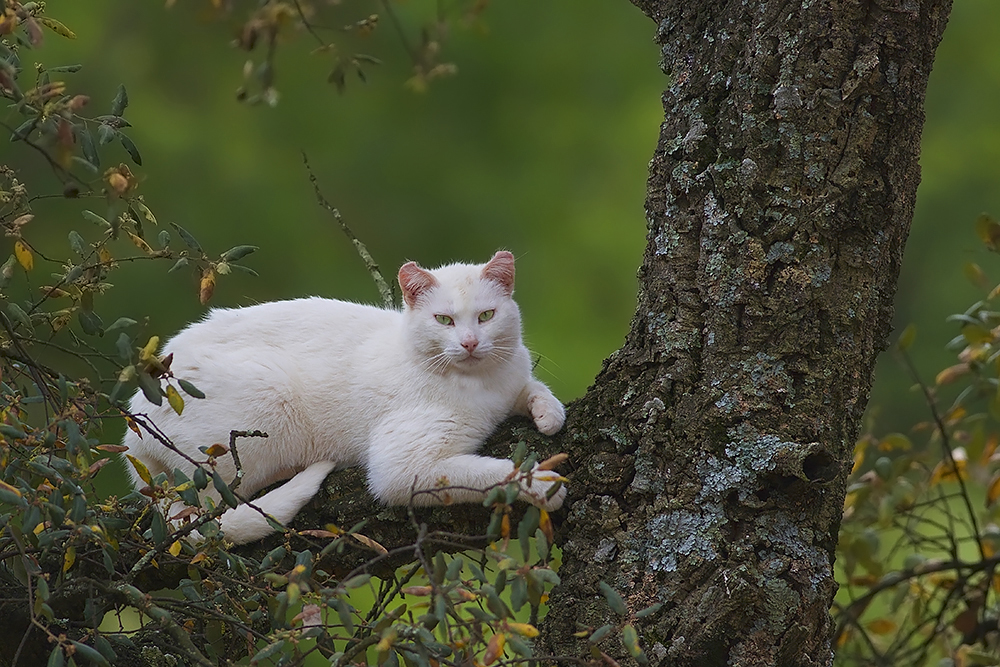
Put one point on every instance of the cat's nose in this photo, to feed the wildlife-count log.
(470, 345)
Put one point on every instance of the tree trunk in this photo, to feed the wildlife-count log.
(712, 451)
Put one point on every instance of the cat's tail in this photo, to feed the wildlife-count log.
(246, 524)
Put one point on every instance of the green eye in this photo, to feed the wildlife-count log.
(486, 315)
(445, 320)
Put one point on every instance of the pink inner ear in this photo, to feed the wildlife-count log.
(500, 270)
(414, 281)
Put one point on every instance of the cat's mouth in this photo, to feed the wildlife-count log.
(470, 358)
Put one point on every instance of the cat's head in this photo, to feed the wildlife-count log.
(461, 316)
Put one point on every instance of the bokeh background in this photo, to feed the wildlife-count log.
(540, 145)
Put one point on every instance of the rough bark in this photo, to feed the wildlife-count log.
(712, 451)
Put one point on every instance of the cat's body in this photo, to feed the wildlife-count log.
(409, 394)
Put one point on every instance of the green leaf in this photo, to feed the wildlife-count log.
(163, 238)
(223, 489)
(649, 611)
(90, 216)
(120, 102)
(238, 253)
(16, 312)
(90, 653)
(150, 388)
(244, 269)
(190, 389)
(358, 581)
(630, 640)
(200, 478)
(268, 651)
(130, 147)
(24, 129)
(90, 322)
(907, 337)
(179, 264)
(614, 599)
(344, 612)
(120, 323)
(600, 633)
(56, 658)
(87, 146)
(518, 593)
(542, 544)
(159, 528)
(454, 568)
(105, 134)
(12, 432)
(189, 240)
(77, 243)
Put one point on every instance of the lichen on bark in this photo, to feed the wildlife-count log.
(779, 198)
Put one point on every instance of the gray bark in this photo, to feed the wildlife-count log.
(712, 451)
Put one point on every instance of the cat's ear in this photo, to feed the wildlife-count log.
(414, 281)
(500, 270)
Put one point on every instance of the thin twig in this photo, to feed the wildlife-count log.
(380, 283)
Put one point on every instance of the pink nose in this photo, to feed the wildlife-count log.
(470, 345)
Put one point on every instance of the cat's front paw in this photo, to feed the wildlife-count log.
(547, 412)
(537, 494)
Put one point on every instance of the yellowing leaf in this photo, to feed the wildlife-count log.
(146, 352)
(24, 256)
(10, 489)
(175, 548)
(545, 523)
(370, 543)
(894, 441)
(174, 399)
(944, 471)
(69, 558)
(217, 450)
(844, 636)
(199, 557)
(133, 426)
(993, 491)
(207, 286)
(952, 373)
(494, 649)
(141, 468)
(56, 27)
(524, 629)
(105, 255)
(140, 243)
(881, 626)
(989, 449)
(551, 462)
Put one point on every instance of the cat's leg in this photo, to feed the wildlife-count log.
(536, 401)
(412, 467)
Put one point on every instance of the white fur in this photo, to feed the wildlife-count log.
(338, 384)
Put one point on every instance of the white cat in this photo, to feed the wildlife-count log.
(408, 394)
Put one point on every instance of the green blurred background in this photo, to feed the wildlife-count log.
(540, 145)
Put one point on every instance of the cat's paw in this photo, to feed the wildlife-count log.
(547, 412)
(541, 482)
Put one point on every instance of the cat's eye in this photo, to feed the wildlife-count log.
(445, 320)
(486, 315)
